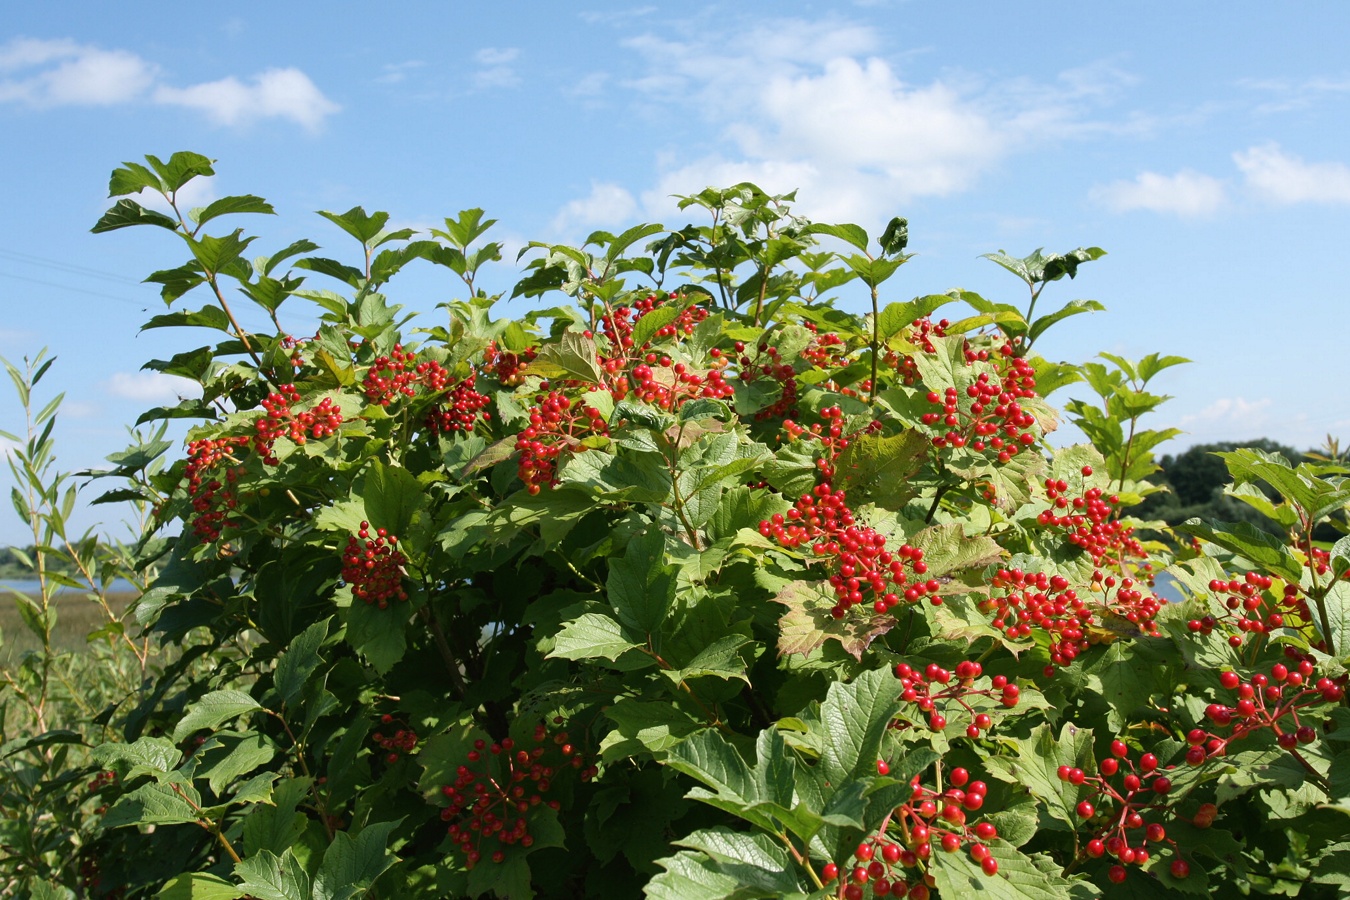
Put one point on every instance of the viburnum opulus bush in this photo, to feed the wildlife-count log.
(696, 584)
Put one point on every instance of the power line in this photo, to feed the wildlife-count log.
(66, 287)
(59, 265)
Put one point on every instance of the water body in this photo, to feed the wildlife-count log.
(31, 586)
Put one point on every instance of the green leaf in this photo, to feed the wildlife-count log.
(1340, 557)
(213, 709)
(1036, 767)
(630, 237)
(1337, 603)
(572, 357)
(1120, 677)
(126, 213)
(1019, 877)
(1248, 541)
(691, 876)
(151, 804)
(351, 865)
(245, 203)
(148, 754)
(808, 623)
(297, 664)
(755, 860)
(652, 322)
(199, 886)
(592, 636)
(216, 253)
(269, 877)
(378, 634)
(393, 496)
(365, 228)
(894, 318)
(651, 726)
(1072, 308)
(230, 756)
(947, 549)
(852, 234)
(855, 717)
(641, 586)
(881, 469)
(275, 828)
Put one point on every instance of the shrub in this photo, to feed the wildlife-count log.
(698, 585)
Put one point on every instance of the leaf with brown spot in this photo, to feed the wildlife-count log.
(807, 624)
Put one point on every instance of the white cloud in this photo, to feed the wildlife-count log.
(276, 93)
(1283, 178)
(607, 204)
(1287, 95)
(150, 387)
(62, 72)
(396, 72)
(74, 74)
(1187, 194)
(589, 85)
(1228, 411)
(7, 447)
(496, 56)
(497, 71)
(814, 106)
(200, 191)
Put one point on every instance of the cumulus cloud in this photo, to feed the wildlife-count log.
(71, 74)
(1283, 178)
(606, 204)
(150, 387)
(497, 71)
(1228, 411)
(62, 72)
(1188, 194)
(814, 106)
(276, 93)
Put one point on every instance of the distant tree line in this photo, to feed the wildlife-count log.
(1196, 480)
(13, 565)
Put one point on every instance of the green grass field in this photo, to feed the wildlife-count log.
(76, 616)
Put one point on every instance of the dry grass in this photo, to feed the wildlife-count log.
(76, 616)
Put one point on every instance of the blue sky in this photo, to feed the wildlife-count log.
(1208, 153)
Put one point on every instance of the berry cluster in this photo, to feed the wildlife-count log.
(918, 688)
(211, 498)
(1123, 792)
(401, 373)
(373, 567)
(281, 421)
(556, 424)
(831, 436)
(1090, 522)
(1249, 610)
(1264, 701)
(862, 567)
(670, 384)
(826, 351)
(907, 837)
(1021, 602)
(617, 325)
(491, 799)
(921, 334)
(505, 365)
(993, 422)
(461, 410)
(768, 363)
(402, 741)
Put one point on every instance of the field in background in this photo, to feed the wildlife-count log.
(77, 615)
